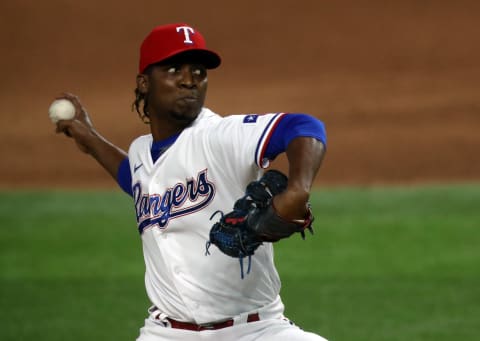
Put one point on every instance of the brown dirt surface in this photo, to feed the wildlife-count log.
(396, 82)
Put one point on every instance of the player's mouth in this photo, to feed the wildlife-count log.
(189, 99)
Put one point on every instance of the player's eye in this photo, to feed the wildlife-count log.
(199, 71)
(173, 69)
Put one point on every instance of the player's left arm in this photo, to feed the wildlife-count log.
(305, 155)
(275, 207)
(303, 138)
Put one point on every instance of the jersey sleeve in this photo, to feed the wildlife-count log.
(258, 139)
(290, 127)
(124, 176)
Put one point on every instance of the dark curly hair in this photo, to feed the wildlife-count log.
(140, 105)
(141, 101)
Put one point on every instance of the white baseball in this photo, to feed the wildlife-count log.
(61, 109)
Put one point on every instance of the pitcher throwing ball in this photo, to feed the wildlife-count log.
(207, 212)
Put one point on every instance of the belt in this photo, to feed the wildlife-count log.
(211, 326)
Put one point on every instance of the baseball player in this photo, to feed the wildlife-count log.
(207, 211)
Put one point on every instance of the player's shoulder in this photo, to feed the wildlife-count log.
(250, 119)
(147, 138)
(140, 142)
(208, 118)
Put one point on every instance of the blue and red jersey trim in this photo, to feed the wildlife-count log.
(262, 145)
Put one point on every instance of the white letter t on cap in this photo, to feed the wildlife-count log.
(186, 31)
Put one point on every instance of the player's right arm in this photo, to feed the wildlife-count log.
(89, 140)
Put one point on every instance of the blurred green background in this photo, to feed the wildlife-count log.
(384, 264)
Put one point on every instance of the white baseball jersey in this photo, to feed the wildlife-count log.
(205, 170)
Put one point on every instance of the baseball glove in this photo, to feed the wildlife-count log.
(254, 220)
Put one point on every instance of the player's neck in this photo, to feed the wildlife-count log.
(162, 129)
(164, 125)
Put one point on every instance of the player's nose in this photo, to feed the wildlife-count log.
(187, 78)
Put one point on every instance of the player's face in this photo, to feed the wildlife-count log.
(177, 89)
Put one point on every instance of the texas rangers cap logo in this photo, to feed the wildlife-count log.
(187, 30)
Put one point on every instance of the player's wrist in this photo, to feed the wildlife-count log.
(291, 204)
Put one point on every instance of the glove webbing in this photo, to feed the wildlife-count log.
(241, 256)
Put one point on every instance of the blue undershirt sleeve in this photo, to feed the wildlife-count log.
(124, 177)
(292, 126)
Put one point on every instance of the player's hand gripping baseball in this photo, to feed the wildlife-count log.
(80, 128)
(88, 140)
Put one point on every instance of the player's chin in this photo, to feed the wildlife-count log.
(186, 115)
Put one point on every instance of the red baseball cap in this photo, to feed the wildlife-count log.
(169, 40)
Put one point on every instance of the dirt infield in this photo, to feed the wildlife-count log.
(397, 84)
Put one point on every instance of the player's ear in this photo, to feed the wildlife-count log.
(142, 83)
